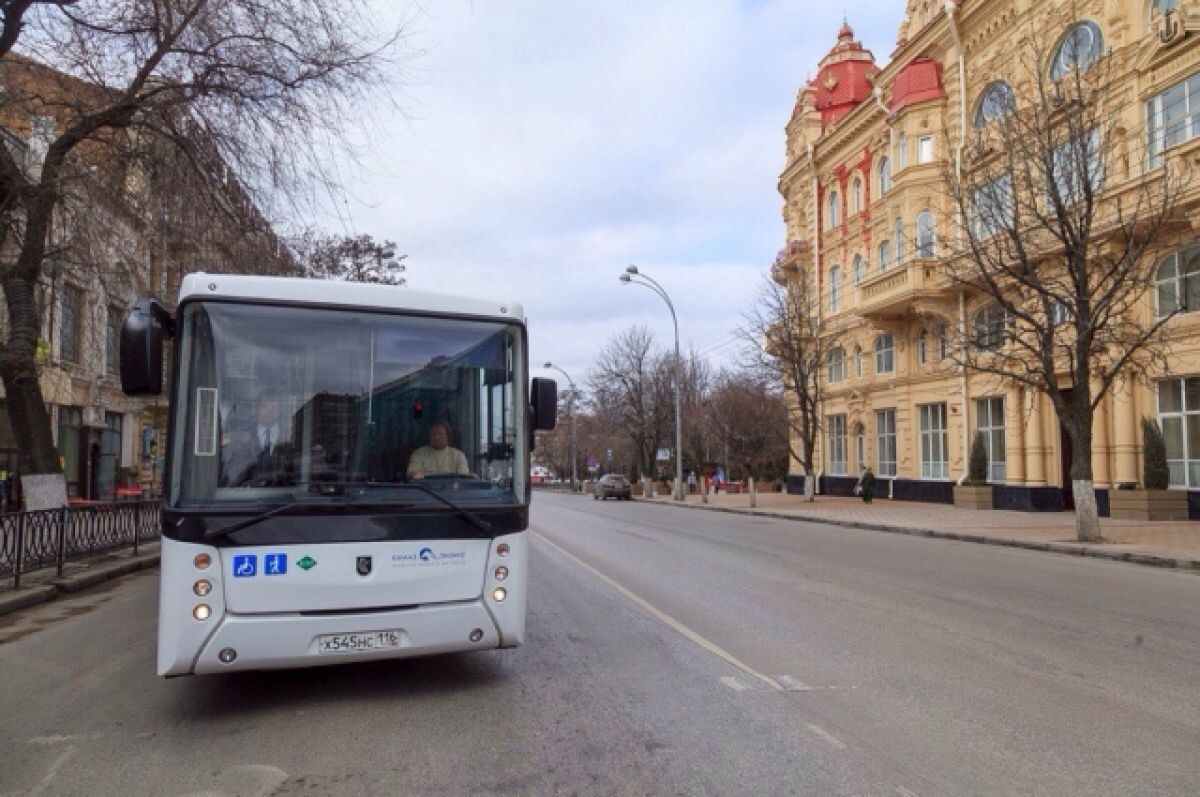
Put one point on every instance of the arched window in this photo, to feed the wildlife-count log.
(835, 364)
(902, 150)
(988, 327)
(899, 231)
(925, 235)
(885, 256)
(856, 196)
(996, 102)
(832, 211)
(885, 175)
(835, 289)
(1081, 47)
(860, 269)
(858, 361)
(885, 353)
(922, 347)
(1178, 282)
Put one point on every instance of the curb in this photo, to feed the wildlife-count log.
(1066, 548)
(31, 596)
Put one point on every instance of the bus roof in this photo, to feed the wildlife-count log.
(339, 293)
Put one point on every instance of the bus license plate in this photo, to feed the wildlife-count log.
(357, 643)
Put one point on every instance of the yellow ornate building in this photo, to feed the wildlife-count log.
(866, 209)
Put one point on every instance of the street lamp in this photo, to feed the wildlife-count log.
(635, 277)
(574, 395)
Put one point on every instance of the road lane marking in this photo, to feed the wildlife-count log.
(834, 742)
(49, 779)
(903, 792)
(733, 683)
(679, 627)
(791, 684)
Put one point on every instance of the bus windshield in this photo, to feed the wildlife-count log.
(282, 404)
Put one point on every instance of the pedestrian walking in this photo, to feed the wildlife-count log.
(868, 485)
(691, 481)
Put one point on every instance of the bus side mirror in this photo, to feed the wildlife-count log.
(544, 404)
(142, 348)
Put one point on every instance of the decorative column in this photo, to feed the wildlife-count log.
(1014, 435)
(1100, 472)
(1035, 446)
(1124, 412)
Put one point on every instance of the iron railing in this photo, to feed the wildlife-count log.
(51, 537)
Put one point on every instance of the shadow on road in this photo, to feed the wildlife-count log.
(218, 697)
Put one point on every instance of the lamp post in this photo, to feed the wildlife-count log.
(635, 277)
(571, 405)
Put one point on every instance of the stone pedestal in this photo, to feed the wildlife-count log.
(1148, 504)
(973, 496)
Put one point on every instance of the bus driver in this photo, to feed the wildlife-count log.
(438, 457)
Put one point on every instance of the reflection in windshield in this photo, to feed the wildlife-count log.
(280, 402)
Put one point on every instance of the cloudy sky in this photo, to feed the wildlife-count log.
(548, 144)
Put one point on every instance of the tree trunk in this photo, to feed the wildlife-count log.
(810, 486)
(41, 476)
(1087, 514)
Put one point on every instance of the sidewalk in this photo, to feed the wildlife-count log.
(39, 586)
(1163, 543)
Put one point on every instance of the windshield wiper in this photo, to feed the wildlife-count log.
(212, 534)
(465, 513)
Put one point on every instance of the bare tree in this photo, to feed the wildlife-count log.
(627, 385)
(215, 87)
(750, 411)
(1061, 222)
(355, 258)
(786, 338)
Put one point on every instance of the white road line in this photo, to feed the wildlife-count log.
(827, 736)
(679, 627)
(49, 779)
(733, 683)
(791, 684)
(903, 792)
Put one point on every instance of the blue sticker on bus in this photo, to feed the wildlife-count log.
(274, 564)
(245, 565)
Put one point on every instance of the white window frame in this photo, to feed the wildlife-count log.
(885, 442)
(885, 353)
(995, 103)
(922, 347)
(902, 150)
(885, 255)
(1175, 424)
(925, 149)
(989, 419)
(926, 235)
(835, 365)
(898, 229)
(856, 195)
(988, 325)
(1060, 66)
(1179, 113)
(836, 435)
(860, 270)
(835, 289)
(885, 175)
(932, 426)
(1171, 282)
(992, 207)
(832, 211)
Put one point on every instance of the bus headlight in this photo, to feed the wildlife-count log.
(499, 594)
(201, 612)
(202, 561)
(501, 573)
(202, 587)
(502, 549)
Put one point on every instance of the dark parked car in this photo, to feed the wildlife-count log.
(613, 485)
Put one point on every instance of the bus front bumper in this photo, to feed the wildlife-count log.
(279, 641)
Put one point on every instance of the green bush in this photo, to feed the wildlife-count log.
(1156, 474)
(977, 468)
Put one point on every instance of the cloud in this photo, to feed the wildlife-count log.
(550, 144)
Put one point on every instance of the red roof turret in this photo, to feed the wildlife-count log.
(843, 81)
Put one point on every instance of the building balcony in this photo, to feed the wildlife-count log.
(891, 294)
(796, 256)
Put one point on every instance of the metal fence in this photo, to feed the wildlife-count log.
(52, 537)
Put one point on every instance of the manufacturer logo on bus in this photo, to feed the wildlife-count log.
(364, 566)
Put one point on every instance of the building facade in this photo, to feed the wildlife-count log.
(867, 210)
(125, 228)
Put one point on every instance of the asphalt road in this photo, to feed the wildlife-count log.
(671, 651)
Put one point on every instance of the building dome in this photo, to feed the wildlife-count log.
(844, 78)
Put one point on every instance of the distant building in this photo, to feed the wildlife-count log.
(865, 206)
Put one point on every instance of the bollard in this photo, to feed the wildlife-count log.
(753, 493)
(62, 539)
(20, 550)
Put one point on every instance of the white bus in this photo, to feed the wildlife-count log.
(347, 471)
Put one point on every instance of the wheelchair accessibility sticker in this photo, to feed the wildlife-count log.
(245, 565)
